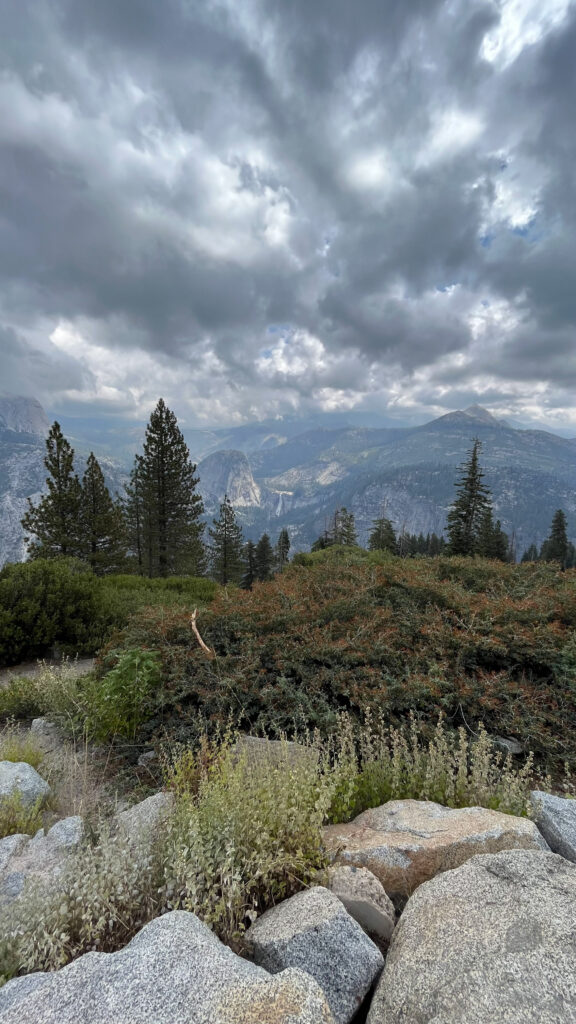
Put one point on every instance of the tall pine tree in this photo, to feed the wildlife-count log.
(53, 524)
(103, 540)
(171, 509)
(249, 574)
(282, 548)
(382, 536)
(468, 511)
(226, 549)
(264, 559)
(555, 548)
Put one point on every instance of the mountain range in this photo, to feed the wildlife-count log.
(294, 473)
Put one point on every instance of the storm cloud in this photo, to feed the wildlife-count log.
(265, 207)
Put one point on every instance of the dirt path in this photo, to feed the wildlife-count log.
(33, 668)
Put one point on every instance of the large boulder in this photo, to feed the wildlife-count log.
(46, 734)
(492, 942)
(175, 971)
(19, 777)
(39, 859)
(313, 932)
(142, 821)
(556, 820)
(365, 900)
(406, 842)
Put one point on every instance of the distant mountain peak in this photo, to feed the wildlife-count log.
(479, 413)
(23, 415)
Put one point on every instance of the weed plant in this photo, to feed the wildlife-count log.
(244, 833)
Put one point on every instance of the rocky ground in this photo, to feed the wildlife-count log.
(428, 915)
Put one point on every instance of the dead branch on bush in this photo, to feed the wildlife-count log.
(204, 646)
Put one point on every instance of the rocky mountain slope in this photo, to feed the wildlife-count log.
(277, 477)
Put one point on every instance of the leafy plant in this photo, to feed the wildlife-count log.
(117, 704)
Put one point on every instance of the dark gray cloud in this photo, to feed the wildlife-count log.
(267, 206)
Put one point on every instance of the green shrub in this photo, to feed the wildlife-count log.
(376, 763)
(17, 818)
(17, 746)
(244, 835)
(58, 691)
(118, 704)
(59, 601)
(44, 602)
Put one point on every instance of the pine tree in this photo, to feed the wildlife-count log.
(133, 512)
(282, 549)
(249, 576)
(491, 541)
(555, 548)
(382, 536)
(531, 554)
(346, 529)
(264, 559)
(171, 541)
(102, 528)
(469, 508)
(53, 524)
(226, 553)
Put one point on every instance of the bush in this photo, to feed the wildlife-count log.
(44, 602)
(117, 704)
(18, 746)
(18, 818)
(50, 602)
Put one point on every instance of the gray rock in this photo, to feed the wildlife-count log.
(492, 942)
(19, 777)
(313, 932)
(46, 733)
(506, 745)
(147, 758)
(142, 820)
(407, 842)
(175, 971)
(11, 846)
(365, 900)
(556, 819)
(40, 858)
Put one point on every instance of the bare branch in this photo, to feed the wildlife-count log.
(204, 646)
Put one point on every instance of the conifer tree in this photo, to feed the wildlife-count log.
(491, 541)
(469, 508)
(531, 554)
(249, 575)
(345, 528)
(171, 508)
(54, 523)
(282, 549)
(133, 512)
(382, 536)
(555, 548)
(102, 528)
(226, 551)
(264, 559)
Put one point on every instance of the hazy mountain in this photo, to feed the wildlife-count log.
(277, 475)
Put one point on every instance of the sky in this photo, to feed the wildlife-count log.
(276, 207)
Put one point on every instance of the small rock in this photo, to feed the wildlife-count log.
(145, 759)
(313, 932)
(365, 900)
(175, 971)
(19, 777)
(47, 733)
(556, 818)
(11, 846)
(506, 745)
(492, 942)
(407, 842)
